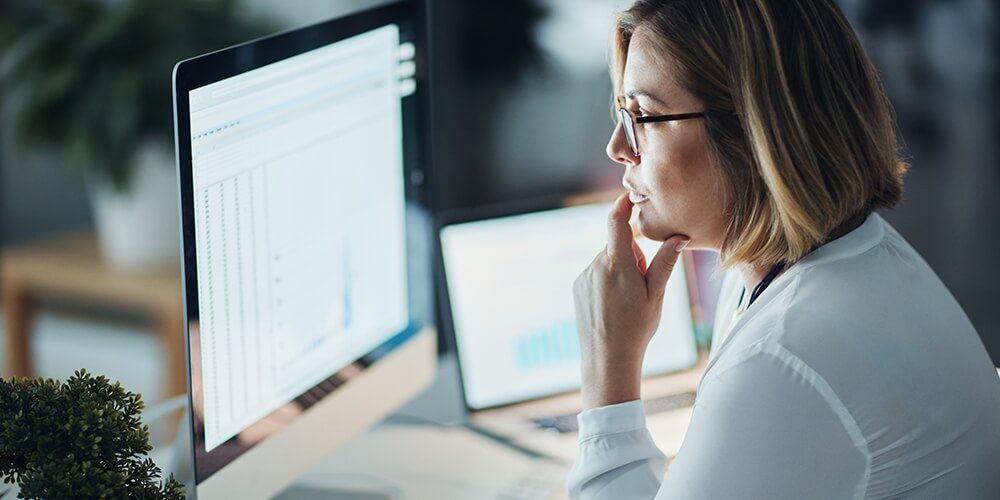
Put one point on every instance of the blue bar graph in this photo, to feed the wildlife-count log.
(551, 345)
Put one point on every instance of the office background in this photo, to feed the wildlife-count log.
(521, 109)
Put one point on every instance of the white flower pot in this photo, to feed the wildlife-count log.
(138, 228)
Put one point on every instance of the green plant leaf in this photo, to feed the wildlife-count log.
(82, 438)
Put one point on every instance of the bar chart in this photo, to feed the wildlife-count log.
(555, 344)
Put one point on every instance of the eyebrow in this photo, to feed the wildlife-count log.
(642, 93)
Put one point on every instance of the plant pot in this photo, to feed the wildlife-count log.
(138, 228)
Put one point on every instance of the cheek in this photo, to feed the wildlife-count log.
(679, 158)
(684, 186)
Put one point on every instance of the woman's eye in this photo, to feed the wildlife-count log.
(639, 112)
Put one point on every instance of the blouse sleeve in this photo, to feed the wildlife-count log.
(764, 426)
(616, 457)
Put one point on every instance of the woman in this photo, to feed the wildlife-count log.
(841, 366)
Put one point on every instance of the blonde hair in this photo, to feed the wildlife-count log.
(797, 117)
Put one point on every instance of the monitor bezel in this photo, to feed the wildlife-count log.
(203, 70)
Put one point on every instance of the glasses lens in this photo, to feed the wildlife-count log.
(629, 127)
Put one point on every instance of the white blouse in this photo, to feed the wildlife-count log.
(855, 374)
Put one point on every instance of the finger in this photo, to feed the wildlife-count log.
(640, 258)
(663, 264)
(619, 232)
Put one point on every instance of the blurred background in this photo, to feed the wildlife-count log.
(521, 99)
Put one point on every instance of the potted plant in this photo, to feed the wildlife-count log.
(79, 439)
(91, 80)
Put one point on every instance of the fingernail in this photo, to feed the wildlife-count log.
(680, 245)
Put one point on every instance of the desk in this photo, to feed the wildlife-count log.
(430, 462)
(426, 461)
(70, 269)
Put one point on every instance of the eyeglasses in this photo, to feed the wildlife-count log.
(628, 121)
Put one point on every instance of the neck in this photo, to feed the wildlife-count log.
(754, 274)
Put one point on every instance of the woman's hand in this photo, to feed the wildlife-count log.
(618, 303)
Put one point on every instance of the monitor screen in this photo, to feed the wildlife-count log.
(293, 164)
(510, 289)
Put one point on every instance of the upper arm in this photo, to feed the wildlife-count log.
(768, 426)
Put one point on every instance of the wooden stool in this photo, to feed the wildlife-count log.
(70, 269)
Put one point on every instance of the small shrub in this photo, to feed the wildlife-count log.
(79, 439)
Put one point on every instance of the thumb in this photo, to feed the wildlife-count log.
(663, 264)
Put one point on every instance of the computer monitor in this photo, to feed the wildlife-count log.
(508, 290)
(306, 243)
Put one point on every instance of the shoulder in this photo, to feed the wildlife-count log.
(779, 402)
(773, 383)
(766, 361)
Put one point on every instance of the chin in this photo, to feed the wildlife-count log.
(654, 227)
(651, 228)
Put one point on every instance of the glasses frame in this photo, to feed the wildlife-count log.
(629, 120)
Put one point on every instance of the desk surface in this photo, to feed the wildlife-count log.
(426, 461)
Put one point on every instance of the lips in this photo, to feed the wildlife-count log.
(633, 194)
(636, 198)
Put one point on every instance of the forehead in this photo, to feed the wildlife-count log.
(648, 68)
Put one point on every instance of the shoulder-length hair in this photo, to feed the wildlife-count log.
(797, 117)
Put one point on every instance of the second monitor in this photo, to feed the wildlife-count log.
(509, 291)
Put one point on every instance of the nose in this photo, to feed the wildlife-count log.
(618, 149)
